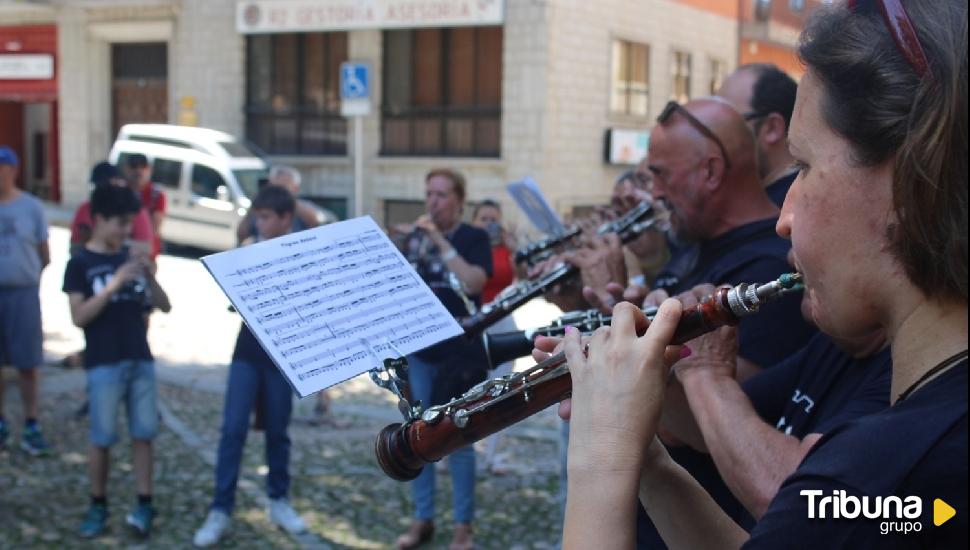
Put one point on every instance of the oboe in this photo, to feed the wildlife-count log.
(403, 450)
(627, 228)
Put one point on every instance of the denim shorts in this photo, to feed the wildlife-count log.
(131, 382)
(21, 335)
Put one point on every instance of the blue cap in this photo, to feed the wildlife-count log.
(7, 156)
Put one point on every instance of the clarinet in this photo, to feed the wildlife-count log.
(628, 228)
(404, 449)
(533, 253)
(506, 346)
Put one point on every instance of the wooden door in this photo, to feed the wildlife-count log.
(139, 84)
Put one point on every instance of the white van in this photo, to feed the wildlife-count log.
(208, 177)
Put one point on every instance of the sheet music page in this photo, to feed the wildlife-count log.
(535, 206)
(317, 299)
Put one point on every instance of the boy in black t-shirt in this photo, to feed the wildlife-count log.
(255, 380)
(109, 288)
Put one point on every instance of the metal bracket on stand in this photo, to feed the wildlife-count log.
(387, 375)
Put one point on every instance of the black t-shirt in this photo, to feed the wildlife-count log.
(248, 349)
(820, 387)
(118, 332)
(918, 448)
(778, 189)
(461, 361)
(751, 253)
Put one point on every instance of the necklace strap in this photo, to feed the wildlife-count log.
(945, 364)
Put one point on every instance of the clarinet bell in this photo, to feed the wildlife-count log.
(394, 456)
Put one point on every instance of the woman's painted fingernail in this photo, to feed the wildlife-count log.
(570, 329)
(685, 352)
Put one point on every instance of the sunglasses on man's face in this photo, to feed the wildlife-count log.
(673, 107)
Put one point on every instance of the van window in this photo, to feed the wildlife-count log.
(205, 181)
(167, 173)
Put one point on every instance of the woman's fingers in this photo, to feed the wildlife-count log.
(573, 348)
(662, 328)
(547, 343)
(627, 318)
(566, 409)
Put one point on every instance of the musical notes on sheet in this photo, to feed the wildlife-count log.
(316, 300)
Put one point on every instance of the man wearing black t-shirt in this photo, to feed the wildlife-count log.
(702, 156)
(703, 159)
(765, 97)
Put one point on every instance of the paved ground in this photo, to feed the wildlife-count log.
(346, 500)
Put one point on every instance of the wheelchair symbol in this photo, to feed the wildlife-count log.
(353, 85)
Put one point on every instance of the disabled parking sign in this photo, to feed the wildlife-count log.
(354, 89)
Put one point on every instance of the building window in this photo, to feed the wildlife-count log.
(718, 70)
(762, 10)
(442, 92)
(631, 78)
(293, 94)
(680, 76)
(397, 211)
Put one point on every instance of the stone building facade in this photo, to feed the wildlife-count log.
(571, 70)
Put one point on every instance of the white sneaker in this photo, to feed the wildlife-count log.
(216, 524)
(282, 514)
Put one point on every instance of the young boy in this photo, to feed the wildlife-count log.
(109, 289)
(252, 376)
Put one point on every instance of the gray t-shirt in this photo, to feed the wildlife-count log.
(23, 227)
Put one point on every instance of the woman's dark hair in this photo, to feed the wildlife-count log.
(109, 201)
(875, 99)
(275, 198)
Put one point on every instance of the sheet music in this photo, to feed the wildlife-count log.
(533, 203)
(317, 299)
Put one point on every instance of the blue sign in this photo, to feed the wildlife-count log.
(354, 81)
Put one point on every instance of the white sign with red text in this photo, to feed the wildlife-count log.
(274, 16)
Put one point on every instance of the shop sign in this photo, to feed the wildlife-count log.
(26, 66)
(625, 146)
(276, 16)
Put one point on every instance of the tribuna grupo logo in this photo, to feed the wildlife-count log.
(899, 514)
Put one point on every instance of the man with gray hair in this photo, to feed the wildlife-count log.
(307, 215)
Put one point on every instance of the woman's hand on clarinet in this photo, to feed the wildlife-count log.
(619, 380)
(546, 347)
